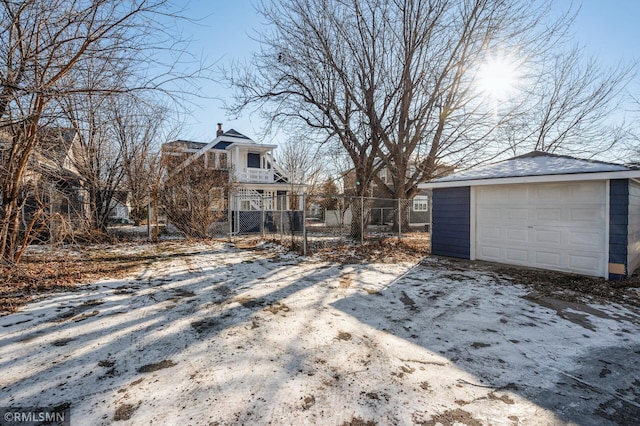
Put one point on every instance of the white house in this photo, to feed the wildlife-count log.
(257, 182)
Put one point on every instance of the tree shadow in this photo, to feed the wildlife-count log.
(112, 336)
(583, 365)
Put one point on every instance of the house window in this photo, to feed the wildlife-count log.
(421, 203)
(253, 160)
(383, 175)
(223, 161)
(211, 160)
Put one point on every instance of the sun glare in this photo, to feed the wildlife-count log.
(497, 77)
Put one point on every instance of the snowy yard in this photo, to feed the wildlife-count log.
(209, 334)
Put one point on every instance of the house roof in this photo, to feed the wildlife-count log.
(533, 167)
(221, 144)
(234, 133)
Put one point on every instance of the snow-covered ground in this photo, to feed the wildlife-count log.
(211, 334)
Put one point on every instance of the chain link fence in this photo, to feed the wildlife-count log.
(337, 220)
(304, 223)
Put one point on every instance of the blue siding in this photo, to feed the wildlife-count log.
(451, 219)
(618, 223)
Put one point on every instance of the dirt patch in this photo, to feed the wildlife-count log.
(57, 271)
(124, 412)
(205, 325)
(383, 250)
(308, 402)
(503, 398)
(343, 335)
(277, 307)
(408, 302)
(247, 302)
(181, 293)
(425, 386)
(149, 368)
(345, 281)
(77, 313)
(453, 417)
(62, 342)
(358, 421)
(63, 269)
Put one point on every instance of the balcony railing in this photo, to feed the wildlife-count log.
(250, 175)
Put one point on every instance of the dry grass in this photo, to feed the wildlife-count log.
(58, 270)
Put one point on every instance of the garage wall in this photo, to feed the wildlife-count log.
(618, 228)
(633, 247)
(451, 222)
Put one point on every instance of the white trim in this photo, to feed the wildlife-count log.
(626, 174)
(262, 148)
(472, 224)
(607, 207)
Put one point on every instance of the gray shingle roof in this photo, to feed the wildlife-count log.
(535, 163)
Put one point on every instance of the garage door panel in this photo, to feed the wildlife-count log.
(586, 214)
(548, 237)
(490, 233)
(549, 214)
(550, 193)
(587, 264)
(585, 190)
(517, 235)
(517, 256)
(548, 259)
(513, 195)
(554, 226)
(517, 214)
(489, 215)
(586, 241)
(490, 253)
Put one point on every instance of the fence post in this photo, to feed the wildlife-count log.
(230, 214)
(149, 221)
(262, 215)
(281, 212)
(399, 219)
(361, 220)
(304, 224)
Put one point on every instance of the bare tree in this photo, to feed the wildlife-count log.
(392, 81)
(567, 106)
(141, 132)
(44, 46)
(99, 162)
(193, 198)
(398, 82)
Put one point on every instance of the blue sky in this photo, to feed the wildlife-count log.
(609, 29)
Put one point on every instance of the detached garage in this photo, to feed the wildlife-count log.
(544, 211)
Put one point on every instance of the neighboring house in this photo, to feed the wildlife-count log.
(544, 211)
(120, 208)
(382, 207)
(255, 181)
(54, 183)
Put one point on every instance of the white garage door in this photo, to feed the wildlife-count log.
(553, 226)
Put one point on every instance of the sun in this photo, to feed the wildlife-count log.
(497, 77)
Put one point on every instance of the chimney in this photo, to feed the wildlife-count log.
(220, 131)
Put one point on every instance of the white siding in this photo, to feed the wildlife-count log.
(633, 249)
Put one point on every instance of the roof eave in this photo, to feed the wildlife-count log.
(252, 145)
(573, 177)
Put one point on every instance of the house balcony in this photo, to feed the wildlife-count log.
(253, 175)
